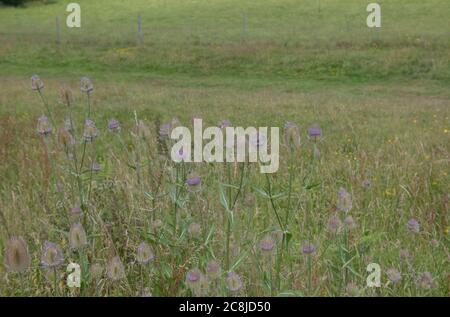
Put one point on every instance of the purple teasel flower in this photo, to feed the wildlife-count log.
(114, 125)
(193, 181)
(314, 132)
(350, 222)
(426, 280)
(144, 253)
(17, 258)
(404, 255)
(44, 126)
(292, 135)
(233, 282)
(394, 275)
(224, 123)
(52, 255)
(193, 277)
(344, 202)
(36, 83)
(413, 225)
(334, 224)
(213, 269)
(86, 85)
(90, 130)
(308, 248)
(267, 243)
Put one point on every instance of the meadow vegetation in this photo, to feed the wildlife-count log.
(373, 187)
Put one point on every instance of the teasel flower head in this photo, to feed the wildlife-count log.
(292, 135)
(36, 83)
(52, 255)
(413, 225)
(90, 130)
(404, 255)
(114, 125)
(267, 244)
(86, 85)
(344, 202)
(308, 248)
(17, 257)
(194, 279)
(394, 275)
(96, 271)
(44, 127)
(334, 224)
(66, 95)
(213, 269)
(314, 132)
(193, 182)
(352, 290)
(233, 282)
(77, 236)
(350, 222)
(144, 253)
(65, 138)
(115, 269)
(426, 281)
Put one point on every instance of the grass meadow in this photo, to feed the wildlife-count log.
(372, 188)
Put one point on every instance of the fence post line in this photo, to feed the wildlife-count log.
(140, 35)
(244, 26)
(58, 30)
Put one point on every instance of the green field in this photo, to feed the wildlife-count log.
(381, 98)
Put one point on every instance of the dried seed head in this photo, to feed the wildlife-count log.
(334, 224)
(308, 248)
(267, 244)
(86, 85)
(44, 127)
(90, 130)
(233, 282)
(413, 225)
(394, 275)
(144, 253)
(292, 135)
(36, 83)
(213, 269)
(114, 125)
(66, 95)
(77, 236)
(96, 271)
(52, 256)
(115, 269)
(344, 202)
(349, 222)
(17, 258)
(426, 281)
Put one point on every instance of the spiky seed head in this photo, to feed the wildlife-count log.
(17, 257)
